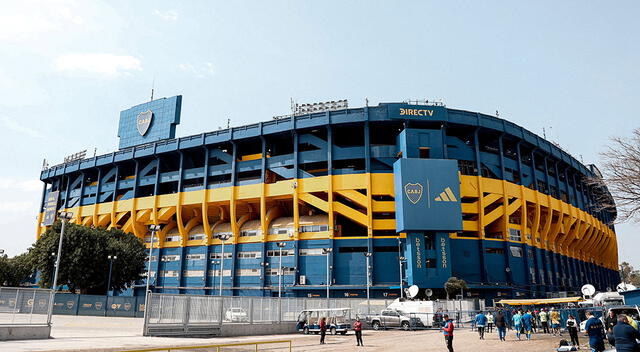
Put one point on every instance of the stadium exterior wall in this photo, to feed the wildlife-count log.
(529, 221)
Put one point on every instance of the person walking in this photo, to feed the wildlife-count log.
(554, 316)
(357, 327)
(490, 322)
(527, 324)
(481, 322)
(595, 330)
(448, 332)
(323, 329)
(544, 321)
(625, 335)
(501, 325)
(609, 322)
(572, 328)
(517, 323)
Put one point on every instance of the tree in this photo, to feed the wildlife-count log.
(15, 271)
(454, 285)
(630, 275)
(84, 265)
(621, 172)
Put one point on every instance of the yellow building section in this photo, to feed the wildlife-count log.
(492, 210)
(500, 210)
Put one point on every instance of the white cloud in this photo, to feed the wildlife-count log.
(14, 126)
(201, 70)
(168, 15)
(12, 184)
(18, 206)
(102, 64)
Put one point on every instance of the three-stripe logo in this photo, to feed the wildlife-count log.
(446, 196)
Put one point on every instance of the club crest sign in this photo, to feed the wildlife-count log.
(413, 192)
(143, 121)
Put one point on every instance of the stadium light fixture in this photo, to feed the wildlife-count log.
(64, 215)
(111, 258)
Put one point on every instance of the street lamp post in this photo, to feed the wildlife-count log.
(213, 268)
(222, 237)
(400, 259)
(64, 215)
(367, 255)
(280, 245)
(111, 259)
(327, 252)
(153, 228)
(53, 271)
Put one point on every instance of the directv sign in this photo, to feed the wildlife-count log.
(149, 122)
(417, 112)
(427, 195)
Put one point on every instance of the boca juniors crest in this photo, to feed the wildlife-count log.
(143, 121)
(413, 192)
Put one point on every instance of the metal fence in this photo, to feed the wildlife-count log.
(24, 306)
(178, 314)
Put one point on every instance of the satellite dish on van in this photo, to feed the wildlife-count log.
(623, 287)
(428, 292)
(588, 290)
(413, 291)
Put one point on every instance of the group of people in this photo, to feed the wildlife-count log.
(621, 331)
(357, 328)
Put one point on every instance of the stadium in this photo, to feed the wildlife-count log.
(405, 193)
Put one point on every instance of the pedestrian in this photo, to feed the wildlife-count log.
(481, 322)
(544, 321)
(323, 329)
(554, 316)
(572, 328)
(517, 323)
(609, 322)
(501, 325)
(448, 332)
(595, 330)
(625, 335)
(527, 324)
(490, 321)
(357, 327)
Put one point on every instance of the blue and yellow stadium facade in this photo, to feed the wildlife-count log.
(527, 219)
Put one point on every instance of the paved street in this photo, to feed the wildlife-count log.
(78, 333)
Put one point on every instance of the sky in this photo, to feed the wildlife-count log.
(67, 68)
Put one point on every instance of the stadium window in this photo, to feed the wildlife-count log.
(276, 252)
(430, 263)
(170, 258)
(285, 271)
(195, 256)
(352, 249)
(193, 273)
(310, 251)
(280, 230)
(514, 235)
(172, 238)
(248, 272)
(248, 233)
(386, 249)
(219, 255)
(216, 272)
(424, 152)
(515, 251)
(249, 255)
(494, 250)
(196, 237)
(314, 228)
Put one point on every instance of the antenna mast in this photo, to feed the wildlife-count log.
(152, 86)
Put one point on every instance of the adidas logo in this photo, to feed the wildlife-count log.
(446, 196)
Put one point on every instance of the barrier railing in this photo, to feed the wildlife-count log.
(217, 348)
(24, 306)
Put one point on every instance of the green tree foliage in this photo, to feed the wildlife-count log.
(453, 286)
(631, 276)
(84, 266)
(15, 271)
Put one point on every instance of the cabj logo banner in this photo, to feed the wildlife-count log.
(143, 121)
(427, 195)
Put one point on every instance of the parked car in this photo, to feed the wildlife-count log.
(236, 315)
(392, 318)
(337, 321)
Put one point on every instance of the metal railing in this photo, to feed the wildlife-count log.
(24, 306)
(218, 348)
